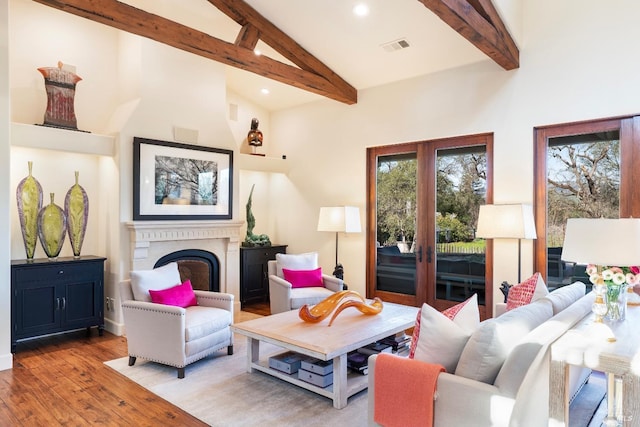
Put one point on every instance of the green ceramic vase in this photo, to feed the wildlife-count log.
(52, 228)
(29, 199)
(76, 209)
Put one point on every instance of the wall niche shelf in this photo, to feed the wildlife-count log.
(262, 163)
(48, 138)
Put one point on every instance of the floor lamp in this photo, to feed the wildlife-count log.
(513, 221)
(339, 219)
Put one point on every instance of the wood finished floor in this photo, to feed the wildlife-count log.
(62, 380)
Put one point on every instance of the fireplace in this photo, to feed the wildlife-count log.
(201, 267)
(216, 243)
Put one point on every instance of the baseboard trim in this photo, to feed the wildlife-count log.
(6, 361)
(114, 327)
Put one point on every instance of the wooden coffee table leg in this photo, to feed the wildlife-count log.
(253, 353)
(340, 381)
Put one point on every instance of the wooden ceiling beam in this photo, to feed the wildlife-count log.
(248, 37)
(243, 14)
(136, 21)
(479, 22)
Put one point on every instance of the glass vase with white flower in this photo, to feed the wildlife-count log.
(612, 282)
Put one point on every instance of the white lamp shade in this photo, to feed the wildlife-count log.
(602, 241)
(506, 222)
(344, 219)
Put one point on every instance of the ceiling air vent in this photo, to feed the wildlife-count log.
(395, 45)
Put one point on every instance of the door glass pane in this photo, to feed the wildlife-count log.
(583, 181)
(396, 223)
(461, 186)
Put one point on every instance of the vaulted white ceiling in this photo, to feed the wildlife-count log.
(350, 46)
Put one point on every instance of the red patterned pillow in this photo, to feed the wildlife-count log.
(467, 319)
(526, 292)
(180, 295)
(303, 278)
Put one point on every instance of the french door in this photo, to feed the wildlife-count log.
(583, 170)
(422, 211)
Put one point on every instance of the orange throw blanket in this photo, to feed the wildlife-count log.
(405, 390)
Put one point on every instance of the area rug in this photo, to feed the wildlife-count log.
(219, 391)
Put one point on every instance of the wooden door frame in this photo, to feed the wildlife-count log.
(426, 234)
(629, 127)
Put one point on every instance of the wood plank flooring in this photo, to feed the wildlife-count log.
(62, 380)
(261, 308)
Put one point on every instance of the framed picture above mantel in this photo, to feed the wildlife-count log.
(174, 181)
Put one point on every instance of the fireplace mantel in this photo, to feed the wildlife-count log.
(150, 240)
(144, 232)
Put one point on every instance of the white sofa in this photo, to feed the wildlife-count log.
(519, 395)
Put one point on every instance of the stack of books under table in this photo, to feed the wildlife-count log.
(357, 361)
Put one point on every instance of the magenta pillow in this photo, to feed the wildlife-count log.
(304, 278)
(180, 295)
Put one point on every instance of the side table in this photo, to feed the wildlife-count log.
(587, 344)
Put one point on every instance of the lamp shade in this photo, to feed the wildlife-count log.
(344, 219)
(506, 222)
(602, 241)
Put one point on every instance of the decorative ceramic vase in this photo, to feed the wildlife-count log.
(60, 85)
(52, 227)
(29, 198)
(76, 209)
(616, 298)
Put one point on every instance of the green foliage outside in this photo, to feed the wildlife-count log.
(461, 187)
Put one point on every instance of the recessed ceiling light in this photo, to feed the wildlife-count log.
(264, 91)
(361, 9)
(257, 52)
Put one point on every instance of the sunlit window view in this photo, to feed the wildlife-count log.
(583, 181)
(459, 257)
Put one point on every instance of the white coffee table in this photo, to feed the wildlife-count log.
(350, 331)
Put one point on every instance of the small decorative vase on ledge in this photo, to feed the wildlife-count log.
(29, 198)
(76, 209)
(616, 298)
(52, 227)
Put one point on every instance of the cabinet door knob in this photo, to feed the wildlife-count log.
(64, 302)
(61, 272)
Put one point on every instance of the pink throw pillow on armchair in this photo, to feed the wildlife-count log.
(304, 278)
(180, 295)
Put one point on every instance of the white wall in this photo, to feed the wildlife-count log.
(577, 63)
(6, 358)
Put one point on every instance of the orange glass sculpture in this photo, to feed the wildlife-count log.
(323, 309)
(374, 308)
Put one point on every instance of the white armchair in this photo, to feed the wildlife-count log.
(173, 335)
(284, 297)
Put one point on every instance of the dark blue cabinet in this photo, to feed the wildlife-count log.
(56, 296)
